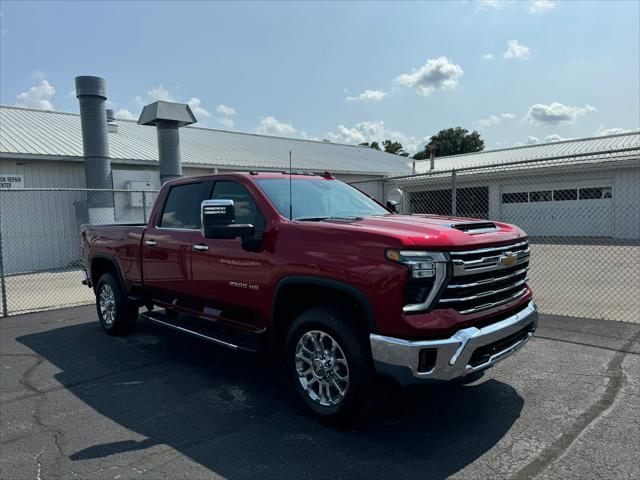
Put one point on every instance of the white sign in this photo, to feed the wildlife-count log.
(10, 180)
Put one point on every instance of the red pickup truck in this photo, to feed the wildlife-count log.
(335, 284)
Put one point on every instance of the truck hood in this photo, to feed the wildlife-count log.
(437, 231)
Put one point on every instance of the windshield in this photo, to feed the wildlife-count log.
(316, 199)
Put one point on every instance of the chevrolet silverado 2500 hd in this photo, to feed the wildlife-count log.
(312, 269)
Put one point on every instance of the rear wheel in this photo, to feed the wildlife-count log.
(329, 365)
(116, 313)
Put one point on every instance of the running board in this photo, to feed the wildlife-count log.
(207, 330)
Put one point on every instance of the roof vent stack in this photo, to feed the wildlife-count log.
(168, 117)
(92, 96)
(432, 162)
(112, 126)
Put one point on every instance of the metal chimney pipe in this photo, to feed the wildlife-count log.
(169, 151)
(168, 117)
(92, 95)
(432, 163)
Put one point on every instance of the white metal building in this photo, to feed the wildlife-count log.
(586, 187)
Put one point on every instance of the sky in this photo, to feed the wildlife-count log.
(519, 72)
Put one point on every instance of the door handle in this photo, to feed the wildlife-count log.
(200, 247)
(151, 243)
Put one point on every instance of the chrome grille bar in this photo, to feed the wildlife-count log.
(486, 281)
(495, 304)
(513, 246)
(486, 293)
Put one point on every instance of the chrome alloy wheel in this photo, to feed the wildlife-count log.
(322, 368)
(107, 305)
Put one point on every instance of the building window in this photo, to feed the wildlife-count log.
(544, 196)
(568, 194)
(595, 193)
(516, 197)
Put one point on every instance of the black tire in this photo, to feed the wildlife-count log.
(353, 342)
(119, 315)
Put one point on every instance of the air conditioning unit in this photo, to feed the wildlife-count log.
(136, 197)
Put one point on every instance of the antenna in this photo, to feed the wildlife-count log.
(290, 194)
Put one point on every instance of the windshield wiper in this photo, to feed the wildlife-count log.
(319, 219)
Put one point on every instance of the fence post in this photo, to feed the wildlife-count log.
(454, 194)
(3, 284)
(144, 206)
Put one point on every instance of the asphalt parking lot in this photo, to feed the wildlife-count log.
(76, 403)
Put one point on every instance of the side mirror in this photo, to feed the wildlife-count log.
(394, 199)
(219, 221)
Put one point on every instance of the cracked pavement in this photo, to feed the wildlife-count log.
(77, 403)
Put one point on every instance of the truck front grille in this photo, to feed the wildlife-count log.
(487, 277)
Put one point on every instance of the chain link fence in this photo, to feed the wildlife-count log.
(581, 212)
(40, 254)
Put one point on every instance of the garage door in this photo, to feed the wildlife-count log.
(581, 209)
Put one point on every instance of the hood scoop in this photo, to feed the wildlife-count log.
(473, 228)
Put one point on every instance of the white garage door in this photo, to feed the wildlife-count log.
(581, 209)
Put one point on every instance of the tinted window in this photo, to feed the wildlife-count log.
(568, 194)
(540, 196)
(246, 209)
(182, 208)
(518, 197)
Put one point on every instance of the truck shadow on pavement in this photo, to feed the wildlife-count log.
(233, 414)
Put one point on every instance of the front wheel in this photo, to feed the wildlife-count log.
(117, 314)
(329, 365)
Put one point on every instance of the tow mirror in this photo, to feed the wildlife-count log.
(219, 220)
(394, 199)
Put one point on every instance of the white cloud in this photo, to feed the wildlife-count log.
(368, 96)
(609, 131)
(493, 119)
(226, 122)
(38, 96)
(226, 116)
(516, 50)
(487, 56)
(437, 74)
(125, 114)
(197, 108)
(374, 131)
(548, 139)
(160, 93)
(225, 110)
(540, 6)
(272, 126)
(555, 113)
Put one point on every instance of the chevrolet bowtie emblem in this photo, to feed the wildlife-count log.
(508, 259)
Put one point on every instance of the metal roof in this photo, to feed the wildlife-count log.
(611, 146)
(50, 134)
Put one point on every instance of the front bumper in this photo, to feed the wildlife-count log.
(453, 357)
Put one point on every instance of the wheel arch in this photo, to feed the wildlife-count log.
(287, 302)
(102, 263)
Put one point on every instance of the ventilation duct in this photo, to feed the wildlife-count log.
(92, 96)
(168, 117)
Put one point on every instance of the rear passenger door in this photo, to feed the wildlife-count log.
(227, 279)
(166, 247)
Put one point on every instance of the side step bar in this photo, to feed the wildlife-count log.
(206, 330)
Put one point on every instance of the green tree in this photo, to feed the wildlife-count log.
(452, 141)
(395, 148)
(374, 145)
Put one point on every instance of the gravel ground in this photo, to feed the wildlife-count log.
(77, 403)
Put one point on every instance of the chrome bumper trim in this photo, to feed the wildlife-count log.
(399, 358)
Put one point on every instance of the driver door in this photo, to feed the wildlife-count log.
(227, 280)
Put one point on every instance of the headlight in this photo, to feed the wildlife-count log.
(428, 268)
